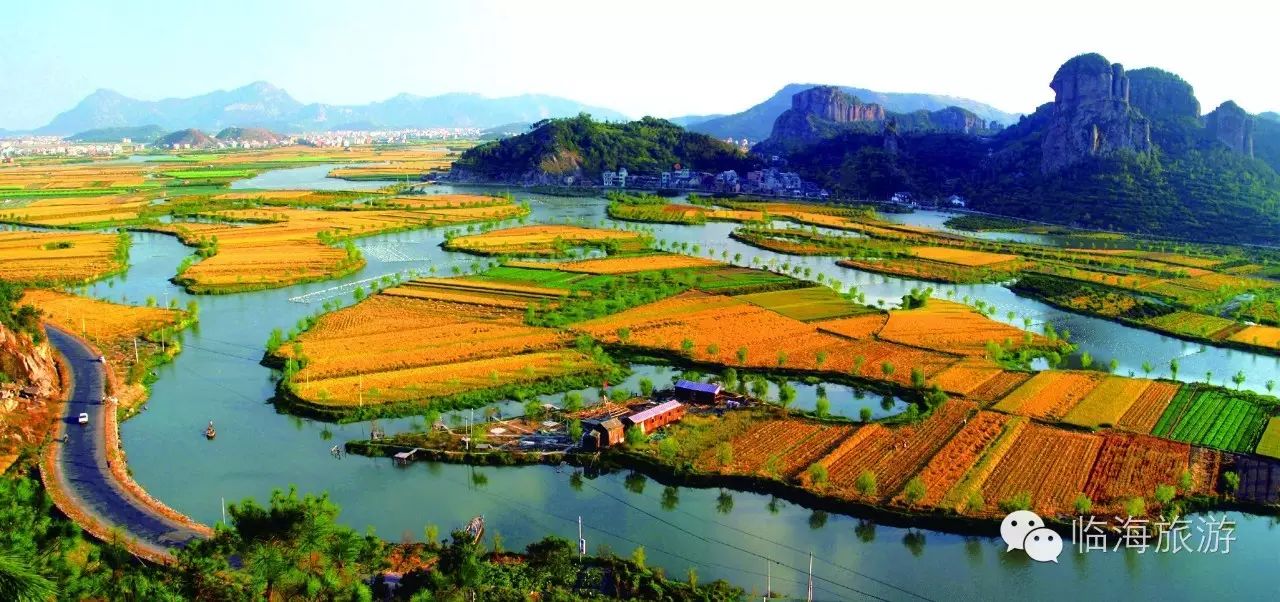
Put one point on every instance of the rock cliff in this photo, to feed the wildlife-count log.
(817, 113)
(1091, 114)
(957, 120)
(1232, 126)
(26, 363)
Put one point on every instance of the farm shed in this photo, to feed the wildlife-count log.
(599, 434)
(695, 392)
(656, 417)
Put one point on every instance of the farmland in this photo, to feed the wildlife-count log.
(47, 258)
(955, 328)
(950, 464)
(1130, 465)
(1050, 464)
(1212, 417)
(934, 271)
(777, 448)
(1049, 395)
(1269, 445)
(805, 304)
(1145, 411)
(1108, 403)
(545, 240)
(621, 265)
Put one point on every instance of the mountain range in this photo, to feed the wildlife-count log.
(756, 122)
(261, 104)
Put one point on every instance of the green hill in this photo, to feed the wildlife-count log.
(141, 133)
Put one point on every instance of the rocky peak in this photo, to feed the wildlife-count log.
(832, 104)
(1232, 126)
(1162, 95)
(1091, 114)
(956, 119)
(817, 113)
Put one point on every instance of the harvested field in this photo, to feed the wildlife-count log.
(1051, 464)
(958, 498)
(1263, 336)
(479, 292)
(1049, 395)
(1142, 415)
(1107, 404)
(806, 304)
(963, 257)
(949, 465)
(935, 271)
(778, 448)
(101, 321)
(78, 210)
(966, 377)
(45, 258)
(622, 265)
(998, 386)
(547, 240)
(1132, 466)
(954, 328)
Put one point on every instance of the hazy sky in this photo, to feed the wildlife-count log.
(651, 57)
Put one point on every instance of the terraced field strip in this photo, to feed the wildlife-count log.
(857, 327)
(958, 456)
(1108, 402)
(1051, 464)
(806, 304)
(953, 328)
(966, 377)
(1265, 336)
(49, 257)
(959, 496)
(998, 386)
(962, 257)
(1195, 324)
(1212, 417)
(786, 446)
(1131, 466)
(1050, 394)
(1145, 411)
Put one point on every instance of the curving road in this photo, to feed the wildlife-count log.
(82, 459)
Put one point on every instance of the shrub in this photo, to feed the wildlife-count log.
(866, 483)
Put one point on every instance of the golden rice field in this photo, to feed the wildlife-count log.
(479, 292)
(964, 257)
(1265, 336)
(77, 210)
(396, 348)
(1049, 395)
(73, 176)
(805, 304)
(953, 328)
(855, 327)
(1108, 402)
(290, 250)
(1145, 411)
(40, 257)
(621, 265)
(966, 377)
(542, 240)
(99, 320)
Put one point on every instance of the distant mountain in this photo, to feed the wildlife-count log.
(261, 104)
(756, 123)
(260, 135)
(191, 138)
(140, 133)
(688, 120)
(505, 130)
(1270, 116)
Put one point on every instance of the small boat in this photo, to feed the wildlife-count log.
(475, 528)
(209, 433)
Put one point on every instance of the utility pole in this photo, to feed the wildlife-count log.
(768, 580)
(582, 543)
(810, 596)
(224, 510)
(135, 351)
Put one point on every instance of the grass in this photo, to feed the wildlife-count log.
(1269, 445)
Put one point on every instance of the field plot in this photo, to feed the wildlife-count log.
(857, 327)
(396, 348)
(44, 258)
(1265, 336)
(935, 271)
(479, 292)
(963, 257)
(949, 465)
(777, 448)
(954, 328)
(1259, 479)
(622, 265)
(964, 378)
(77, 211)
(1142, 415)
(1107, 404)
(998, 386)
(1212, 417)
(1049, 395)
(893, 455)
(1050, 464)
(548, 240)
(806, 304)
(1269, 444)
(1194, 324)
(1132, 466)
(38, 180)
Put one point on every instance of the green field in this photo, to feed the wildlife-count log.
(1212, 417)
(806, 304)
(734, 281)
(547, 278)
(1269, 445)
(195, 174)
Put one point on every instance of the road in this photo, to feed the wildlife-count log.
(82, 459)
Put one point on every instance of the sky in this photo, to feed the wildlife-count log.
(655, 57)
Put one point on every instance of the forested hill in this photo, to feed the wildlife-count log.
(581, 148)
(1119, 150)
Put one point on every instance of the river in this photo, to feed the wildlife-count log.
(724, 534)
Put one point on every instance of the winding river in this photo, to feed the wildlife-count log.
(735, 535)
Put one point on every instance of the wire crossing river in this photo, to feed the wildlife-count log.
(83, 469)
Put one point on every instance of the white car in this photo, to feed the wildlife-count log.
(84, 418)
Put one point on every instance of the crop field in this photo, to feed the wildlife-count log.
(1132, 466)
(1269, 444)
(965, 377)
(53, 180)
(76, 211)
(535, 274)
(959, 496)
(57, 257)
(1265, 336)
(1142, 415)
(964, 257)
(392, 348)
(1182, 260)
(1108, 402)
(998, 386)
(1049, 395)
(858, 328)
(479, 292)
(1212, 417)
(894, 455)
(1194, 324)
(1051, 464)
(961, 452)
(544, 240)
(934, 271)
(99, 320)
(730, 280)
(954, 328)
(783, 447)
(806, 304)
(623, 265)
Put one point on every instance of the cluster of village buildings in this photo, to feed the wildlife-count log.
(343, 138)
(769, 181)
(36, 146)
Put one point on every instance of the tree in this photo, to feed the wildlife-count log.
(1238, 379)
(572, 401)
(635, 436)
(858, 361)
(1173, 368)
(820, 359)
(646, 387)
(822, 407)
(1082, 504)
(21, 583)
(624, 334)
(1164, 494)
(1019, 501)
(917, 378)
(887, 368)
(782, 358)
(866, 483)
(1113, 365)
(1086, 360)
(818, 474)
(1147, 368)
(1135, 507)
(786, 396)
(914, 491)
(865, 414)
(724, 453)
(1271, 384)
(1232, 481)
(759, 387)
(742, 355)
(575, 431)
(687, 346)
(637, 556)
